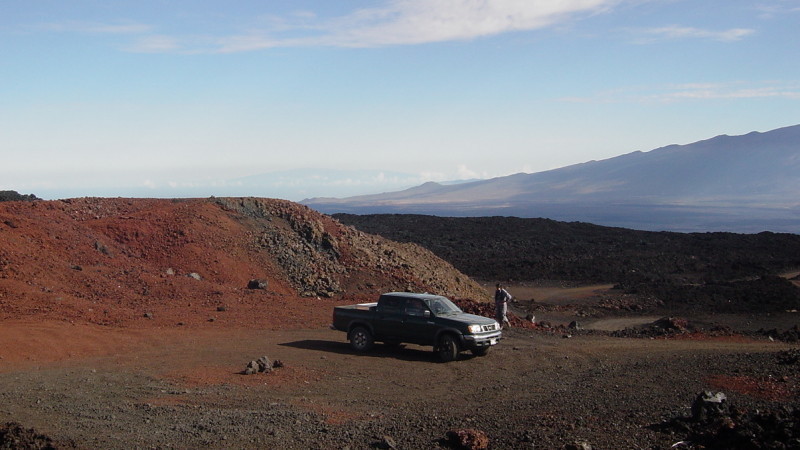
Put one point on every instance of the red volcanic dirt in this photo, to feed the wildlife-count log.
(151, 262)
(156, 265)
(768, 388)
(111, 261)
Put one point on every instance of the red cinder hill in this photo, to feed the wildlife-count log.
(186, 262)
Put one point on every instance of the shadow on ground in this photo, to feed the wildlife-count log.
(401, 352)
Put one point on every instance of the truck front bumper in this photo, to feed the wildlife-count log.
(482, 340)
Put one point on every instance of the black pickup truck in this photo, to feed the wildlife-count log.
(422, 319)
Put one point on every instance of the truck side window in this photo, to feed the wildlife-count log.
(392, 305)
(415, 307)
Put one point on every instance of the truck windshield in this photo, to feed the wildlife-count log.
(441, 306)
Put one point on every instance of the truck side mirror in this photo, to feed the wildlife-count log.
(426, 314)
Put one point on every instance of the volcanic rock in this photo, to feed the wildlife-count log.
(257, 284)
(468, 439)
(260, 365)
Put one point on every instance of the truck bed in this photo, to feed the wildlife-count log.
(360, 306)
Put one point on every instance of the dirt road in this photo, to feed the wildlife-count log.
(100, 387)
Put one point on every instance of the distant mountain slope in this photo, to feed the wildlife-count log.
(745, 183)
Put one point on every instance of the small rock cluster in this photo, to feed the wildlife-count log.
(665, 326)
(261, 365)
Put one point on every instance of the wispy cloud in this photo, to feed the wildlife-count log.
(675, 32)
(396, 22)
(695, 92)
(95, 27)
(774, 9)
(154, 44)
(741, 90)
(421, 21)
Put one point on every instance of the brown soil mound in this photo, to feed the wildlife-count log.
(151, 261)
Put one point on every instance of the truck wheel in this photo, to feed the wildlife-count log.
(447, 348)
(480, 351)
(361, 339)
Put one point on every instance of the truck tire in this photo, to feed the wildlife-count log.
(480, 351)
(361, 339)
(447, 348)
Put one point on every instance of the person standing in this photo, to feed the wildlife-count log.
(501, 298)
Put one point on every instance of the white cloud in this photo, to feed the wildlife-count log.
(420, 21)
(709, 91)
(154, 44)
(464, 173)
(695, 92)
(772, 10)
(673, 32)
(396, 22)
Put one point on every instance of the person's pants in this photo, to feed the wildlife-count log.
(500, 314)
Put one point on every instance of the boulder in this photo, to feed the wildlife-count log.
(468, 439)
(257, 284)
(252, 368)
(259, 365)
(708, 405)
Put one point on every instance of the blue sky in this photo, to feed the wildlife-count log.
(178, 98)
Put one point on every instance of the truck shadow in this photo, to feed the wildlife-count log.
(402, 352)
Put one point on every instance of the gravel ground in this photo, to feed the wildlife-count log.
(533, 390)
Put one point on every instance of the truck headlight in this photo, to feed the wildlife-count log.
(474, 329)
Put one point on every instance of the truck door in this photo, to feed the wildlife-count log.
(418, 326)
(389, 318)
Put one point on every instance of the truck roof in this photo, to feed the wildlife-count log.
(423, 296)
